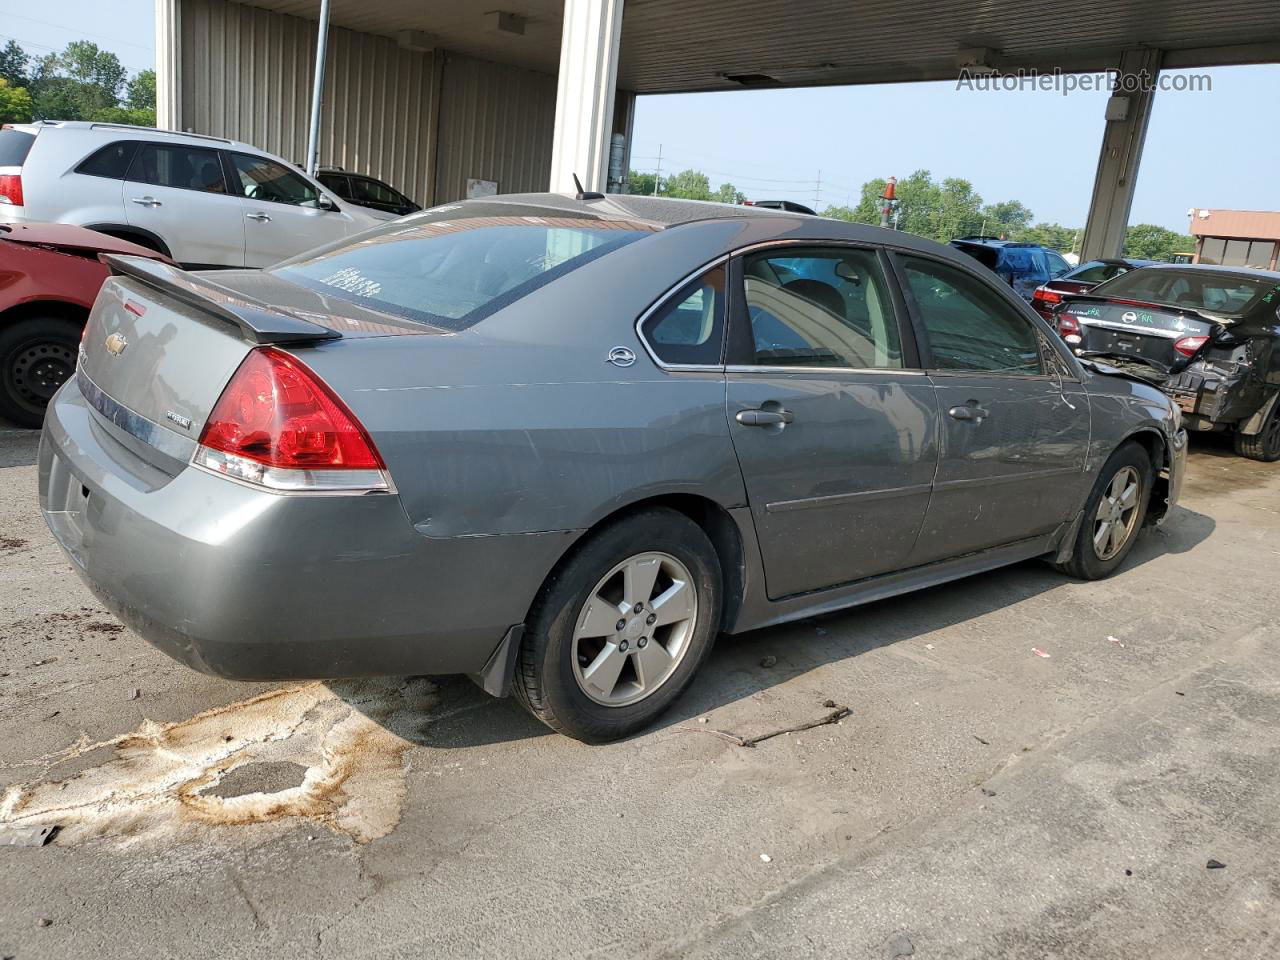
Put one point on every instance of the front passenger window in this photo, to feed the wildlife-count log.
(269, 182)
(969, 325)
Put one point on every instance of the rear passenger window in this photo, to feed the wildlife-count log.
(187, 168)
(689, 328)
(110, 161)
(969, 325)
(820, 307)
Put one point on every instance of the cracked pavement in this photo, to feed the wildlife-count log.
(979, 801)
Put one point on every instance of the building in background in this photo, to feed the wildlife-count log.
(1236, 238)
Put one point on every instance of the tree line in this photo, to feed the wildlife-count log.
(83, 82)
(941, 210)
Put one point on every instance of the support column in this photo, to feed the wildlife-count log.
(317, 90)
(584, 96)
(168, 64)
(1128, 112)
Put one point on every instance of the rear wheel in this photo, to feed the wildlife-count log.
(1265, 444)
(37, 355)
(1113, 514)
(618, 632)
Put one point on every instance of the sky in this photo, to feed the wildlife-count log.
(1204, 148)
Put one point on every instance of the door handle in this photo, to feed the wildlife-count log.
(147, 201)
(969, 411)
(764, 418)
(260, 217)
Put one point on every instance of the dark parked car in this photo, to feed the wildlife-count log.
(1080, 280)
(560, 444)
(1208, 335)
(1024, 266)
(49, 276)
(366, 191)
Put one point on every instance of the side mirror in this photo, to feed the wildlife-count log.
(324, 203)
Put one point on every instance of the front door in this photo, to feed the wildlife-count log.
(281, 211)
(1015, 431)
(835, 432)
(179, 193)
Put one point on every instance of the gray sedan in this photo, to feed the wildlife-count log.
(560, 444)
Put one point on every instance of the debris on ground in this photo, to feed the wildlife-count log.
(1215, 865)
(26, 836)
(835, 716)
(928, 646)
(985, 743)
(1179, 693)
(134, 693)
(44, 922)
(1116, 640)
(768, 661)
(828, 704)
(988, 792)
(765, 858)
(1040, 653)
(899, 945)
(1128, 873)
(702, 719)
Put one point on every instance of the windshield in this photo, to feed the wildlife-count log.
(454, 272)
(1222, 293)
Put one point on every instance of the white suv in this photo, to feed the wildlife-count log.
(204, 201)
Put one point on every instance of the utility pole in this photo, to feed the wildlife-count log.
(657, 173)
(817, 191)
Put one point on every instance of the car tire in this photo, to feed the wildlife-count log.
(1263, 445)
(37, 355)
(1089, 561)
(597, 688)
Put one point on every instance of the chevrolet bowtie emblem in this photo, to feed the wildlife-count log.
(116, 344)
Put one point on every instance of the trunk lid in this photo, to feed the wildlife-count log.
(1134, 329)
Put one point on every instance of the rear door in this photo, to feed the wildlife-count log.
(179, 193)
(834, 424)
(281, 211)
(1014, 431)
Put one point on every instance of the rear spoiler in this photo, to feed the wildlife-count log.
(256, 322)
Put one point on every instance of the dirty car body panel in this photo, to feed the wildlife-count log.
(509, 421)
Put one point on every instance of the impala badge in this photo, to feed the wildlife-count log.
(621, 357)
(116, 344)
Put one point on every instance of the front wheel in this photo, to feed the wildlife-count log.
(617, 633)
(37, 355)
(1113, 514)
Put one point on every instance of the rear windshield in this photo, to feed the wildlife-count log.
(1095, 271)
(14, 147)
(453, 271)
(1221, 293)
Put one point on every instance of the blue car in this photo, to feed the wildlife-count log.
(1024, 266)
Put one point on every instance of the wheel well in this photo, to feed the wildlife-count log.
(60, 309)
(143, 238)
(1154, 444)
(715, 522)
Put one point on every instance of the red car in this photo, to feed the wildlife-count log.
(49, 278)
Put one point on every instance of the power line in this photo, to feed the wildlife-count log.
(44, 46)
(87, 33)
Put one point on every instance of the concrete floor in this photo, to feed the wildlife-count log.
(979, 801)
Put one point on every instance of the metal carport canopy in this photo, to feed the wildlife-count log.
(672, 46)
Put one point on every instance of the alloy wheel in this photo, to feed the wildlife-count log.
(634, 629)
(1117, 515)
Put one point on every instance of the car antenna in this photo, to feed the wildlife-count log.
(585, 194)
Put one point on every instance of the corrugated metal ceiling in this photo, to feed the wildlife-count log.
(682, 45)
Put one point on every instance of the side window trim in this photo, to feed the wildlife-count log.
(665, 300)
(739, 351)
(1011, 299)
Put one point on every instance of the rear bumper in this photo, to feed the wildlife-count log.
(251, 585)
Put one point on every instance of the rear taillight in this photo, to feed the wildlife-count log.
(11, 189)
(279, 426)
(1044, 295)
(1187, 346)
(1068, 328)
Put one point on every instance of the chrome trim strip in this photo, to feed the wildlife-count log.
(890, 371)
(838, 499)
(1129, 327)
(1005, 478)
(149, 432)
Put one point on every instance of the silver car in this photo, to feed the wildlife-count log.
(560, 444)
(203, 201)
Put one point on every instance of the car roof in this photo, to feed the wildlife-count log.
(127, 131)
(977, 241)
(1245, 273)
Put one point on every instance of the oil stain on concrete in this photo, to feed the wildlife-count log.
(332, 754)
